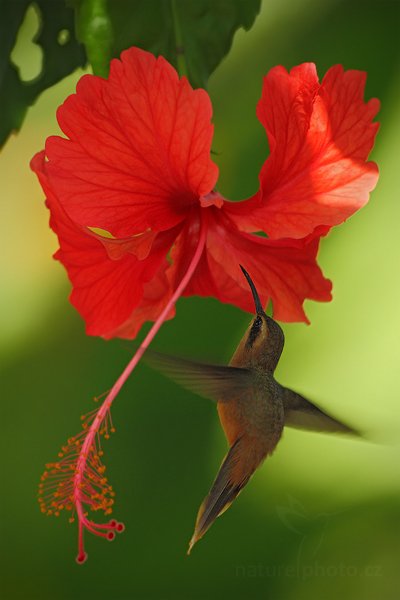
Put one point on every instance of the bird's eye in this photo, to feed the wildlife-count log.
(254, 331)
(257, 323)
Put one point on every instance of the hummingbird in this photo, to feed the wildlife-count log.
(253, 407)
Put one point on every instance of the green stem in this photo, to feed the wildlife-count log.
(94, 30)
(179, 47)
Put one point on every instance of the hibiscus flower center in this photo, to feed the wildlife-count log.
(212, 199)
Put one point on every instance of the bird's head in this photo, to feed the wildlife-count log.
(263, 341)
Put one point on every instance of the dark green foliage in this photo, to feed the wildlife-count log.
(58, 60)
(208, 27)
(194, 35)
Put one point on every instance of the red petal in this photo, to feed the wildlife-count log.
(140, 245)
(112, 295)
(156, 294)
(320, 136)
(138, 153)
(284, 271)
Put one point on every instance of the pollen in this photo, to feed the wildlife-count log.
(78, 478)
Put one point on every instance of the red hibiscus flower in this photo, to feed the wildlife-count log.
(134, 177)
(132, 198)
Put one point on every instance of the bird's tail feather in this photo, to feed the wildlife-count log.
(232, 477)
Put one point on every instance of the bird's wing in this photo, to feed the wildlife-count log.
(303, 414)
(217, 382)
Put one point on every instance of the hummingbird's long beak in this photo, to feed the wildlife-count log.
(257, 301)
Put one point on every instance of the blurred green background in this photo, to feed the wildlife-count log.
(321, 518)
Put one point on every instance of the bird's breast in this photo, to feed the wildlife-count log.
(257, 414)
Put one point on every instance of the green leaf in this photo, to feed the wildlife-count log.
(147, 24)
(194, 35)
(61, 55)
(207, 29)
